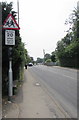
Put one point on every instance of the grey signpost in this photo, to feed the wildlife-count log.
(10, 79)
(10, 40)
(10, 26)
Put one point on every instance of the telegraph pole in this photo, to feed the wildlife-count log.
(44, 56)
(78, 63)
(78, 5)
(77, 19)
(18, 10)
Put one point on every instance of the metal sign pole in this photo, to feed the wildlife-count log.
(10, 75)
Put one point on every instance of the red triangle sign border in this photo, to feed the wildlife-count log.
(10, 15)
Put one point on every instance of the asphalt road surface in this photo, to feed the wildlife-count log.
(60, 83)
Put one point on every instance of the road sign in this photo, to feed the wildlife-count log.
(10, 23)
(10, 37)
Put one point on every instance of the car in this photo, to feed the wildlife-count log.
(30, 64)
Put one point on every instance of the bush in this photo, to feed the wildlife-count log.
(48, 61)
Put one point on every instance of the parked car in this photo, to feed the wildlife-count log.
(30, 64)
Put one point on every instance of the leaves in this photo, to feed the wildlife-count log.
(67, 49)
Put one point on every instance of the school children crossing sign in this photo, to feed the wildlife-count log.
(10, 23)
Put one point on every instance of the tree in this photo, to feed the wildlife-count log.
(18, 52)
(67, 49)
(48, 61)
(39, 60)
(53, 57)
(47, 56)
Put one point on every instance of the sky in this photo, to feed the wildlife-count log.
(42, 23)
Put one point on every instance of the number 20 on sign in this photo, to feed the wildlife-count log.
(10, 37)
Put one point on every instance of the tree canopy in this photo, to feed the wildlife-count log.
(67, 49)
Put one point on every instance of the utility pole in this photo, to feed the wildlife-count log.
(44, 56)
(18, 10)
(78, 62)
(78, 5)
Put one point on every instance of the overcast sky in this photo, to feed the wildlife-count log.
(42, 23)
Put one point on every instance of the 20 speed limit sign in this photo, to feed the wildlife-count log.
(10, 37)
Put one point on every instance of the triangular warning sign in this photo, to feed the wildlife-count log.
(10, 23)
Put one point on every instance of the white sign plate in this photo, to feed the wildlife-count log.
(10, 37)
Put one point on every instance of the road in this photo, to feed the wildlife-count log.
(60, 84)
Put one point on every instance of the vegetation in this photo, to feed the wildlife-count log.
(67, 50)
(53, 57)
(19, 53)
(47, 56)
(48, 61)
(39, 60)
